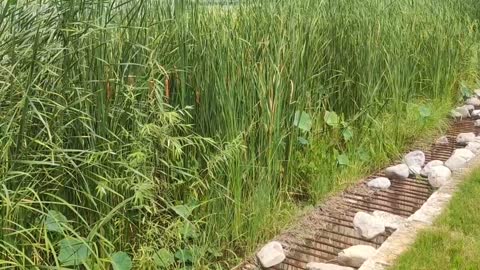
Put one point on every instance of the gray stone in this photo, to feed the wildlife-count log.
(439, 176)
(469, 107)
(400, 171)
(368, 226)
(455, 163)
(414, 158)
(461, 112)
(473, 101)
(355, 256)
(455, 115)
(389, 220)
(464, 138)
(473, 146)
(271, 254)
(477, 123)
(475, 113)
(326, 266)
(426, 170)
(442, 140)
(464, 153)
(379, 182)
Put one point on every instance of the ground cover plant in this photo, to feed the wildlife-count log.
(162, 134)
(454, 240)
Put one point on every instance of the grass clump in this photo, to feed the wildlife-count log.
(454, 240)
(174, 134)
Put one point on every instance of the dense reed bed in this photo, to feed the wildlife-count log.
(174, 134)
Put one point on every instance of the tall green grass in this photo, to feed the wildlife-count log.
(176, 134)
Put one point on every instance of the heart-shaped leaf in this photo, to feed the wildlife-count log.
(343, 159)
(425, 112)
(332, 119)
(121, 261)
(466, 92)
(163, 258)
(347, 134)
(55, 221)
(303, 121)
(302, 140)
(183, 210)
(189, 231)
(73, 251)
(363, 155)
(184, 255)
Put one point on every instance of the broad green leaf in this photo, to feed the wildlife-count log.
(215, 252)
(302, 140)
(164, 258)
(347, 134)
(343, 159)
(121, 261)
(189, 231)
(363, 155)
(184, 255)
(425, 112)
(331, 118)
(183, 210)
(466, 92)
(55, 221)
(73, 251)
(303, 121)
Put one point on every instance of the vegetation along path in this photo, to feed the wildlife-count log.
(324, 236)
(181, 134)
(454, 240)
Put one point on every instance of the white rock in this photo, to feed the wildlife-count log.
(460, 112)
(477, 123)
(379, 182)
(473, 101)
(426, 170)
(475, 113)
(400, 171)
(455, 114)
(477, 92)
(326, 266)
(414, 158)
(464, 138)
(389, 220)
(473, 146)
(367, 225)
(355, 256)
(464, 153)
(271, 254)
(469, 107)
(455, 163)
(414, 170)
(442, 140)
(439, 176)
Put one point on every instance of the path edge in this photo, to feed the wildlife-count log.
(423, 218)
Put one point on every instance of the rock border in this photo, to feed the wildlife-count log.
(423, 218)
